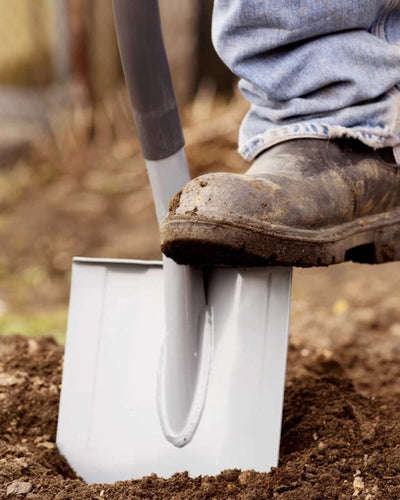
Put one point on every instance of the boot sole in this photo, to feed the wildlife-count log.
(215, 240)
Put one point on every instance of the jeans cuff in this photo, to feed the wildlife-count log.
(374, 138)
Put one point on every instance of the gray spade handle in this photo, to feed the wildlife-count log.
(148, 77)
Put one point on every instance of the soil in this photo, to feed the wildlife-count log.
(340, 433)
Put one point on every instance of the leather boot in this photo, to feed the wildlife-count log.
(304, 202)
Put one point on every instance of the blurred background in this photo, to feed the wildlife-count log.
(72, 179)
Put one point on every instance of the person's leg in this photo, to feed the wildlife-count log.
(322, 78)
(322, 69)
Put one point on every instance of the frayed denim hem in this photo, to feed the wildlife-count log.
(374, 138)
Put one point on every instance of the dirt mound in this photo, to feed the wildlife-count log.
(340, 434)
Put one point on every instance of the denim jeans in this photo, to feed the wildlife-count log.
(313, 68)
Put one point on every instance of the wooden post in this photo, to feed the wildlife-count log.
(104, 67)
(61, 42)
(180, 21)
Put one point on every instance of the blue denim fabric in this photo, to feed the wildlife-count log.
(313, 68)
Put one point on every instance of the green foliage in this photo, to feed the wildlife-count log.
(49, 323)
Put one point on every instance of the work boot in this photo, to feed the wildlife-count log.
(304, 202)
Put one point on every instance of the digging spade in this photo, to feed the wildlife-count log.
(168, 368)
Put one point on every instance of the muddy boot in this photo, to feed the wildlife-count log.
(305, 202)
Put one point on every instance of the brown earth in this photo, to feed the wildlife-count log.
(340, 435)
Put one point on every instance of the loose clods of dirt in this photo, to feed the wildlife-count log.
(340, 433)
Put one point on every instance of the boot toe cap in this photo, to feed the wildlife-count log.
(232, 195)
